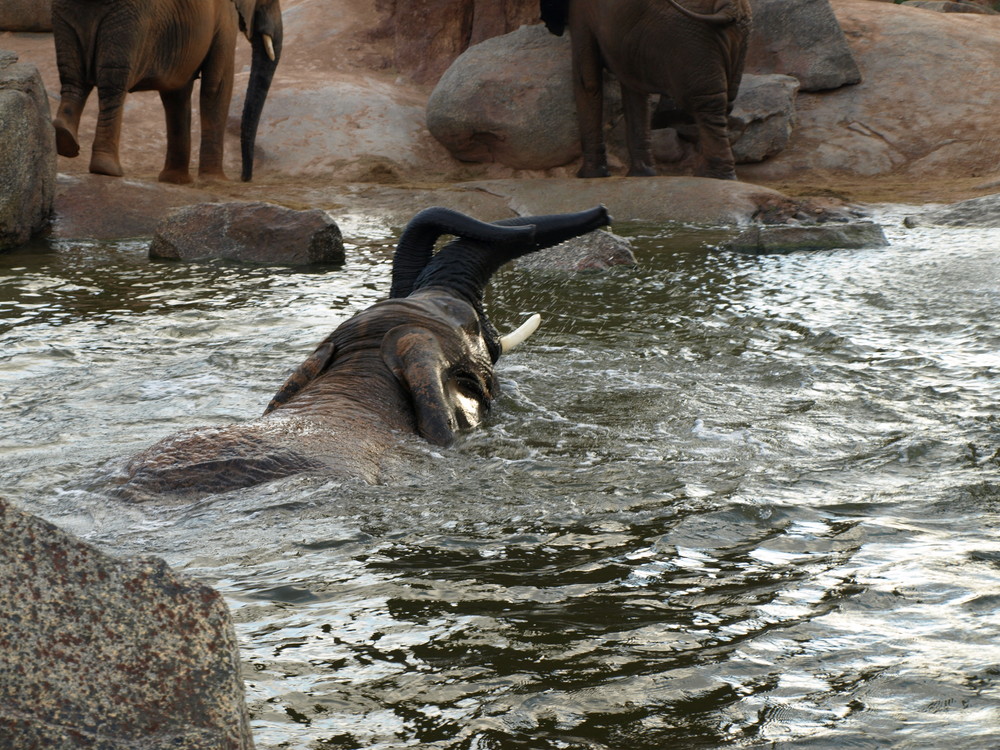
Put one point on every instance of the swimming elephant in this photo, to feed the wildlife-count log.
(420, 362)
(693, 52)
(162, 45)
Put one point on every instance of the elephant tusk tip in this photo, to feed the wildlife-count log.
(518, 336)
(269, 46)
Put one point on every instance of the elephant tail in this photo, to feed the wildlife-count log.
(727, 15)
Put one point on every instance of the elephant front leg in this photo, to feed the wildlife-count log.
(710, 114)
(637, 126)
(177, 111)
(214, 98)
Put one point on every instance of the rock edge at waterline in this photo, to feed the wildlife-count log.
(119, 654)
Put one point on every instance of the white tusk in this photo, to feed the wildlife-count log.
(517, 336)
(269, 46)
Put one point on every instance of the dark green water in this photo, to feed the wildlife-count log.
(724, 502)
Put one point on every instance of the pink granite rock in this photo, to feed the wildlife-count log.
(117, 654)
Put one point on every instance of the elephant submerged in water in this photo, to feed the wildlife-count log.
(162, 45)
(693, 53)
(420, 362)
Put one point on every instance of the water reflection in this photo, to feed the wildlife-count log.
(725, 501)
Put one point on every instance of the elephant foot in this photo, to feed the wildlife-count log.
(641, 170)
(590, 172)
(175, 176)
(730, 175)
(720, 170)
(105, 164)
(66, 142)
(212, 175)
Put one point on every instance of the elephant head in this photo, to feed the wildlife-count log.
(260, 20)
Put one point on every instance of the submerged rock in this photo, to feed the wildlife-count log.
(977, 212)
(249, 232)
(777, 239)
(97, 652)
(596, 251)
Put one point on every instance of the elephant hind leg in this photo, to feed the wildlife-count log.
(67, 143)
(111, 91)
(215, 94)
(177, 111)
(67, 120)
(711, 117)
(638, 123)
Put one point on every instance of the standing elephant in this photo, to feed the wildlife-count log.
(693, 54)
(419, 362)
(162, 45)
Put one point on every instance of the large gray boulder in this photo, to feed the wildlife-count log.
(25, 15)
(801, 39)
(97, 652)
(509, 99)
(249, 232)
(27, 153)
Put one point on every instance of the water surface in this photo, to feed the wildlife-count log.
(725, 501)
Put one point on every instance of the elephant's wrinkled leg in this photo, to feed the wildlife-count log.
(73, 97)
(214, 97)
(111, 90)
(177, 111)
(588, 92)
(710, 114)
(637, 125)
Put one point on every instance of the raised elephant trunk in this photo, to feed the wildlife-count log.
(265, 34)
(465, 265)
(416, 244)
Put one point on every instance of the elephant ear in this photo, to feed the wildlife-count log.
(246, 9)
(415, 357)
(555, 14)
(312, 368)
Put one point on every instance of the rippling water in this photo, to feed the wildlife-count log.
(725, 501)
